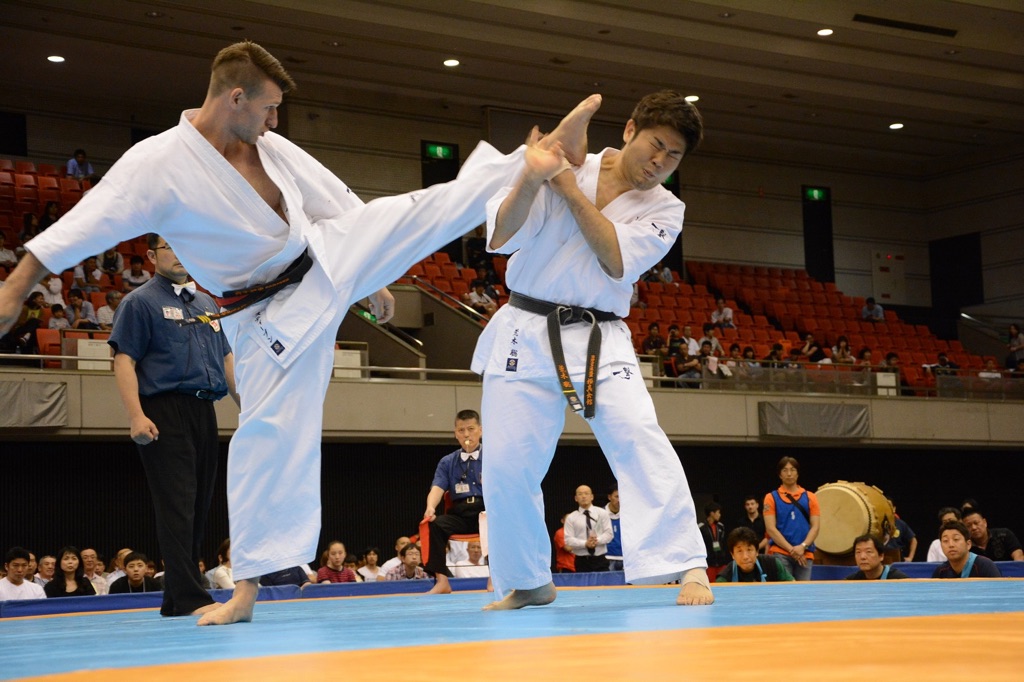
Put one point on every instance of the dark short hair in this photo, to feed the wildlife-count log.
(711, 507)
(970, 511)
(734, 346)
(410, 546)
(950, 510)
(16, 553)
(466, 415)
(136, 259)
(870, 299)
(56, 308)
(135, 556)
(652, 325)
(79, 151)
(366, 551)
(76, 292)
(708, 326)
(613, 488)
(958, 526)
(873, 539)
(152, 240)
(755, 498)
(739, 535)
(670, 108)
(787, 460)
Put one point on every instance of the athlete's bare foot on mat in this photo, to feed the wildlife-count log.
(206, 609)
(696, 590)
(238, 609)
(517, 599)
(442, 586)
(572, 130)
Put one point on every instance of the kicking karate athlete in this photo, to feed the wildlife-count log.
(579, 241)
(248, 213)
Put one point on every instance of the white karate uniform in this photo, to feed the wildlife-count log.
(228, 238)
(523, 407)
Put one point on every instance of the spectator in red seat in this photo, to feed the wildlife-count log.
(134, 277)
(22, 337)
(721, 317)
(864, 358)
(1016, 346)
(7, 258)
(105, 315)
(51, 214)
(872, 312)
(112, 263)
(88, 275)
(654, 344)
(58, 318)
(809, 352)
(30, 227)
(841, 352)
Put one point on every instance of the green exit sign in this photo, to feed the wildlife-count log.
(441, 151)
(816, 193)
(670, 180)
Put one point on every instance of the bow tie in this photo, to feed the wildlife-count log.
(469, 455)
(190, 287)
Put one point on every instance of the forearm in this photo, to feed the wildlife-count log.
(128, 385)
(434, 498)
(515, 209)
(598, 231)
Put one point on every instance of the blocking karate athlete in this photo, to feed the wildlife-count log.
(579, 241)
(247, 212)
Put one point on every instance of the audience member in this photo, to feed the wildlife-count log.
(588, 530)
(33, 566)
(476, 248)
(711, 336)
(675, 350)
(746, 566)
(990, 371)
(81, 313)
(47, 569)
(961, 562)
(943, 366)
(475, 566)
(370, 571)
(221, 577)
(792, 519)
(134, 578)
(864, 358)
(409, 568)
(774, 358)
(998, 544)
(51, 214)
(105, 315)
(397, 559)
(79, 168)
(135, 276)
(721, 316)
(654, 344)
(88, 276)
(614, 553)
(92, 570)
(458, 475)
(692, 346)
(58, 318)
(841, 352)
(809, 352)
(22, 337)
(659, 273)
(868, 552)
(935, 549)
(1016, 347)
(872, 312)
(478, 300)
(52, 289)
(565, 560)
(13, 585)
(905, 540)
(111, 263)
(70, 580)
(7, 258)
(117, 566)
(334, 571)
(753, 520)
(712, 530)
(29, 227)
(749, 358)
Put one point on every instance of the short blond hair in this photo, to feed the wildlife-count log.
(247, 65)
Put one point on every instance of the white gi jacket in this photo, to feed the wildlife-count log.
(177, 184)
(552, 262)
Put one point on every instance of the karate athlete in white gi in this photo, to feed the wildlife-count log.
(241, 205)
(581, 240)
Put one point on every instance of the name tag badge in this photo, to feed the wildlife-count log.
(215, 325)
(716, 545)
(461, 488)
(172, 313)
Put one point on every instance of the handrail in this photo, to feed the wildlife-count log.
(463, 308)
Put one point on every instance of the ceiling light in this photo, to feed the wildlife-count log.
(56, 59)
(451, 62)
(825, 32)
(726, 15)
(155, 15)
(952, 52)
(895, 126)
(691, 98)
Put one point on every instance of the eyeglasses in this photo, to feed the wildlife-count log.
(165, 246)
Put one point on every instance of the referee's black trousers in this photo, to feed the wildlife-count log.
(181, 467)
(460, 519)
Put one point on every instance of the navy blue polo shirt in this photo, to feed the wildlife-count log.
(168, 357)
(451, 470)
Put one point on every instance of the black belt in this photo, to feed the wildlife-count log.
(201, 393)
(470, 500)
(559, 315)
(239, 299)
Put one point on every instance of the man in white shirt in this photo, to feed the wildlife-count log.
(14, 585)
(588, 530)
(395, 560)
(93, 570)
(105, 315)
(474, 566)
(721, 316)
(7, 257)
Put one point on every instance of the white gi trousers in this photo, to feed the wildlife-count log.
(523, 419)
(273, 476)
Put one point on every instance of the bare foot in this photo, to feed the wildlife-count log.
(696, 590)
(238, 609)
(517, 599)
(206, 609)
(572, 130)
(442, 586)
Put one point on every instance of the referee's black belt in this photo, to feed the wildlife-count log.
(559, 315)
(239, 299)
(201, 393)
(476, 499)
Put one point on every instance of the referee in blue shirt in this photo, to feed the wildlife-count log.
(169, 377)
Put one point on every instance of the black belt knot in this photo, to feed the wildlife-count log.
(559, 315)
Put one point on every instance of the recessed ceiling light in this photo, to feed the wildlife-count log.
(726, 15)
(155, 15)
(451, 62)
(334, 43)
(56, 59)
(691, 98)
(895, 126)
(825, 32)
(952, 52)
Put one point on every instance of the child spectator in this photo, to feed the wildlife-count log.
(134, 578)
(58, 318)
(334, 571)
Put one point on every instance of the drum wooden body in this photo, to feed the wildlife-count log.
(849, 510)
